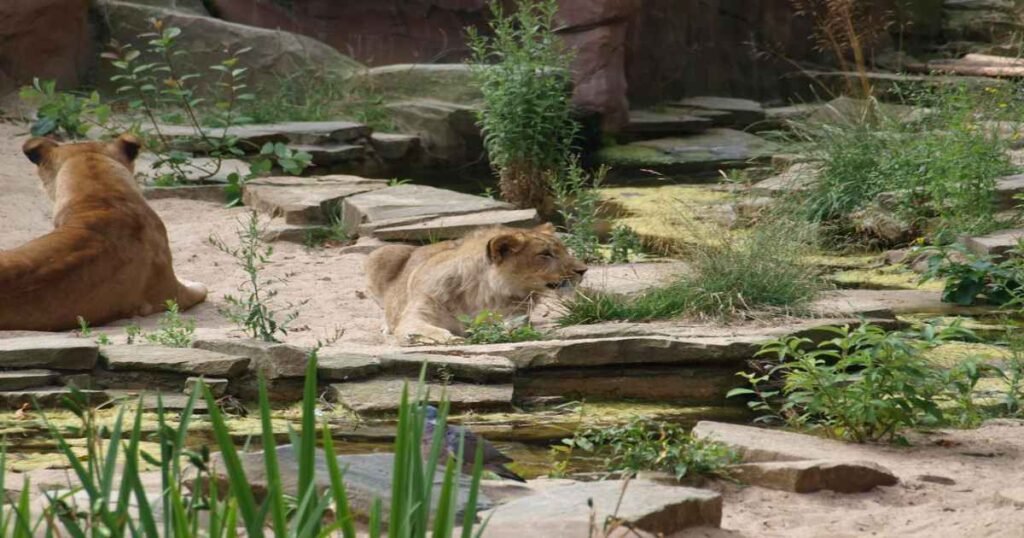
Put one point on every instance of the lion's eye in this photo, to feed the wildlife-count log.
(547, 254)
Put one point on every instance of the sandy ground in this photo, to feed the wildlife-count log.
(980, 462)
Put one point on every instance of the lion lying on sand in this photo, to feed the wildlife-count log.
(107, 257)
(424, 291)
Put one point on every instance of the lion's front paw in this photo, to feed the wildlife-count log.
(429, 336)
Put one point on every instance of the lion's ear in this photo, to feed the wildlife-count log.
(503, 246)
(36, 149)
(128, 145)
(547, 229)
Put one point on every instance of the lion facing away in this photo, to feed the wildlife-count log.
(107, 257)
(424, 291)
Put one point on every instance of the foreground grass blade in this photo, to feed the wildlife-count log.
(469, 517)
(275, 492)
(307, 450)
(239, 485)
(343, 514)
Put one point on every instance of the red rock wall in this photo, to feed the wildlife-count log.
(49, 39)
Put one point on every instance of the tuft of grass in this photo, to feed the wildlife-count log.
(173, 330)
(492, 328)
(737, 275)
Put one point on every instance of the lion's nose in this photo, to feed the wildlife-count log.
(581, 272)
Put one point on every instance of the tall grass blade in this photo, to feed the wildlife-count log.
(307, 449)
(275, 491)
(342, 515)
(469, 516)
(239, 485)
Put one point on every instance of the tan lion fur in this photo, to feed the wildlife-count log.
(425, 290)
(107, 258)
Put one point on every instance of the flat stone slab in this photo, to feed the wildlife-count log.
(54, 352)
(394, 146)
(799, 177)
(291, 233)
(190, 361)
(632, 278)
(382, 396)
(758, 445)
(347, 367)
(199, 169)
(1006, 189)
(199, 193)
(715, 149)
(46, 397)
(744, 111)
(151, 401)
(366, 476)
(252, 137)
(305, 200)
(887, 304)
(475, 369)
(657, 124)
(810, 476)
(995, 244)
(1011, 497)
(330, 154)
(408, 204)
(27, 379)
(452, 227)
(564, 508)
(274, 361)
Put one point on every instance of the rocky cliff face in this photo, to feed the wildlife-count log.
(49, 39)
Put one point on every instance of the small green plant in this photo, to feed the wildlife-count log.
(84, 330)
(866, 384)
(761, 272)
(492, 328)
(523, 72)
(334, 233)
(971, 279)
(103, 339)
(625, 245)
(645, 445)
(63, 113)
(132, 333)
(577, 201)
(173, 330)
(395, 182)
(254, 311)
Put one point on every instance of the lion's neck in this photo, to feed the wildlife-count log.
(482, 288)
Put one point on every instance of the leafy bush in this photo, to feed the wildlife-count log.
(865, 384)
(971, 279)
(254, 312)
(577, 201)
(736, 275)
(935, 171)
(491, 328)
(62, 113)
(523, 72)
(625, 245)
(110, 478)
(645, 445)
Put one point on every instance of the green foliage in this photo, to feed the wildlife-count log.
(577, 201)
(254, 311)
(762, 271)
(491, 328)
(110, 478)
(63, 113)
(334, 233)
(157, 91)
(935, 170)
(173, 330)
(865, 384)
(972, 279)
(645, 445)
(625, 245)
(523, 72)
(84, 330)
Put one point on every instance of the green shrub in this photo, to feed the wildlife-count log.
(523, 72)
(63, 113)
(736, 275)
(577, 201)
(491, 328)
(935, 172)
(971, 279)
(645, 445)
(865, 384)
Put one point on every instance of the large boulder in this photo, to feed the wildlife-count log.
(447, 130)
(48, 39)
(274, 53)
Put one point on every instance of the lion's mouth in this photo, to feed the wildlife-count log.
(560, 285)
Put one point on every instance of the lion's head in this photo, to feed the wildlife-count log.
(534, 261)
(50, 156)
